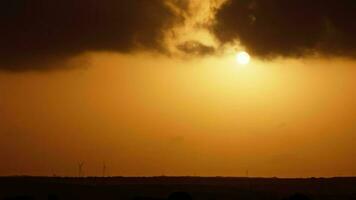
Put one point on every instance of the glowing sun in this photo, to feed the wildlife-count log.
(243, 58)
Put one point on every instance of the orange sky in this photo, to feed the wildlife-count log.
(147, 115)
(170, 98)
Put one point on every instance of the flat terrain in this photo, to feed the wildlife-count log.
(160, 188)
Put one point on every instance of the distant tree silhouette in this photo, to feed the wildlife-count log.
(180, 196)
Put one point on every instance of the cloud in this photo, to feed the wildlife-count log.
(39, 34)
(36, 33)
(195, 48)
(293, 28)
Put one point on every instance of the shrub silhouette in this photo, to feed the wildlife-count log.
(298, 197)
(146, 198)
(20, 198)
(52, 197)
(173, 196)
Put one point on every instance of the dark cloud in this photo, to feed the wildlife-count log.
(34, 33)
(290, 28)
(195, 48)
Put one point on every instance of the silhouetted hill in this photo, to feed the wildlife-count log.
(162, 188)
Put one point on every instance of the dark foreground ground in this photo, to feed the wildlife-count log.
(161, 187)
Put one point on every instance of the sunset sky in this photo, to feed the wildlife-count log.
(155, 87)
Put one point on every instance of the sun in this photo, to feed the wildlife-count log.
(243, 58)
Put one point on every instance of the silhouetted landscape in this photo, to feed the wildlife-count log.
(177, 188)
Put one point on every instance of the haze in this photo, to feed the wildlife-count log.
(181, 105)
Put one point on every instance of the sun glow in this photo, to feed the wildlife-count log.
(243, 58)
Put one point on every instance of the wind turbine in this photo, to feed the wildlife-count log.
(80, 169)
